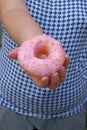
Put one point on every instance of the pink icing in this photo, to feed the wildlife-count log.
(31, 52)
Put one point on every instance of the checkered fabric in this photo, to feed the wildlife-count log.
(63, 20)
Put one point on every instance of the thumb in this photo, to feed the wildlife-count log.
(13, 54)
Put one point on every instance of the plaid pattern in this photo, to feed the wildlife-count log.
(63, 20)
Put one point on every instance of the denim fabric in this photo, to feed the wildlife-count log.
(10, 120)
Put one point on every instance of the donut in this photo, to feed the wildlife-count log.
(41, 56)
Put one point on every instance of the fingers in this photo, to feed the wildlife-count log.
(43, 82)
(13, 54)
(62, 74)
(67, 61)
(54, 81)
(57, 78)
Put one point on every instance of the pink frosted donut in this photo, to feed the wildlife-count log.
(41, 56)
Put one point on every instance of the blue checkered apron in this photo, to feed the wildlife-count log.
(65, 21)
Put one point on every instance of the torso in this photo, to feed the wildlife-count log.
(65, 21)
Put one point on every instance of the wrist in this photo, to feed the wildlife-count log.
(28, 34)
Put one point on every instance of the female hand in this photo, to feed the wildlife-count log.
(54, 80)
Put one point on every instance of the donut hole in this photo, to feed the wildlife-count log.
(42, 52)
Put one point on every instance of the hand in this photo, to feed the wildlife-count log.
(52, 82)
